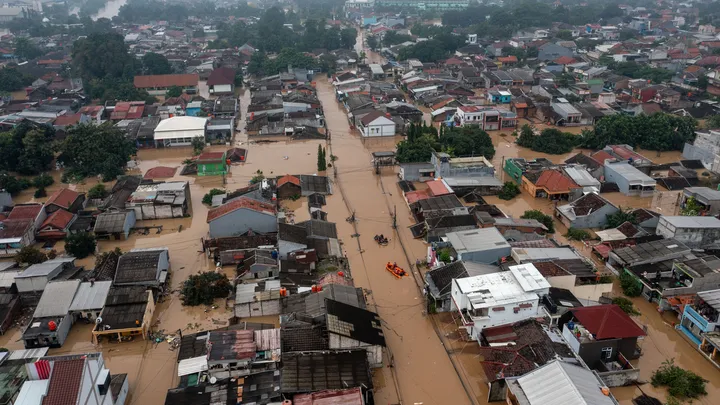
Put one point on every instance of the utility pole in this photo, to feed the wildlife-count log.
(394, 225)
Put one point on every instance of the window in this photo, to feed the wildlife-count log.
(607, 353)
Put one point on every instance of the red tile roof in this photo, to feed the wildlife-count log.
(417, 195)
(162, 81)
(288, 179)
(91, 110)
(352, 396)
(508, 59)
(601, 156)
(15, 228)
(211, 157)
(65, 120)
(128, 110)
(564, 60)
(221, 75)
(607, 322)
(65, 382)
(437, 188)
(239, 203)
(555, 181)
(160, 172)
(59, 219)
(27, 211)
(64, 198)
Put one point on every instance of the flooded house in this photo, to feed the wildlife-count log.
(179, 131)
(32, 281)
(559, 381)
(304, 372)
(700, 317)
(291, 238)
(77, 378)
(707, 198)
(114, 225)
(143, 267)
(484, 245)
(288, 187)
(515, 349)
(89, 300)
(630, 181)
(588, 211)
(212, 164)
(127, 313)
(351, 327)
(606, 338)
(56, 226)
(65, 199)
(439, 281)
(18, 229)
(51, 321)
(578, 276)
(257, 299)
(163, 200)
(241, 215)
(498, 298)
(695, 232)
(549, 183)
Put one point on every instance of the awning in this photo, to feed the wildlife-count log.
(192, 366)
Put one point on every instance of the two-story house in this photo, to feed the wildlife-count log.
(498, 298)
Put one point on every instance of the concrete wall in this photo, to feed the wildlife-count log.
(285, 247)
(262, 308)
(591, 292)
(240, 221)
(374, 353)
(620, 378)
(411, 172)
(489, 256)
(692, 237)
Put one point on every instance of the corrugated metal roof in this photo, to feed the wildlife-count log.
(267, 339)
(711, 298)
(91, 296)
(563, 384)
(245, 293)
(57, 298)
(477, 240)
(28, 353)
(692, 222)
(192, 366)
(7, 278)
(45, 268)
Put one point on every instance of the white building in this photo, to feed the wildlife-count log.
(377, 124)
(179, 131)
(498, 298)
(73, 379)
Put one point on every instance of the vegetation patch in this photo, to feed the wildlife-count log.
(203, 288)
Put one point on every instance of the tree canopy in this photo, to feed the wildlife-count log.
(203, 288)
(12, 79)
(550, 140)
(464, 141)
(155, 64)
(27, 149)
(80, 245)
(103, 55)
(659, 131)
(91, 150)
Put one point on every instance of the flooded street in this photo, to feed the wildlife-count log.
(421, 365)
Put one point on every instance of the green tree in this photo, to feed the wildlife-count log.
(198, 144)
(12, 80)
(713, 122)
(238, 79)
(626, 305)
(43, 180)
(550, 140)
(91, 150)
(258, 177)
(207, 198)
(174, 91)
(80, 245)
(11, 184)
(692, 208)
(37, 153)
(25, 49)
(30, 255)
(372, 41)
(321, 162)
(156, 64)
(655, 132)
(204, 288)
(629, 285)
(620, 217)
(527, 137)
(564, 35)
(348, 37)
(102, 55)
(97, 191)
(40, 193)
(509, 190)
(577, 234)
(538, 215)
(681, 383)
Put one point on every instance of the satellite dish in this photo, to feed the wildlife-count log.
(213, 380)
(98, 320)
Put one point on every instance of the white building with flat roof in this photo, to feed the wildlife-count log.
(498, 298)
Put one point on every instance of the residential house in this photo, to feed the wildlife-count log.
(288, 187)
(548, 183)
(32, 281)
(16, 234)
(695, 232)
(550, 51)
(630, 181)
(221, 81)
(707, 198)
(51, 321)
(158, 85)
(559, 381)
(296, 380)
(163, 200)
(89, 300)
(114, 225)
(606, 338)
(179, 131)
(578, 276)
(700, 317)
(516, 349)
(484, 245)
(291, 238)
(593, 166)
(56, 226)
(143, 267)
(351, 327)
(76, 378)
(498, 96)
(498, 298)
(65, 199)
(377, 124)
(212, 164)
(583, 178)
(439, 281)
(241, 215)
(257, 299)
(569, 115)
(588, 211)
(128, 312)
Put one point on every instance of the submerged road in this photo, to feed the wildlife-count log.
(422, 371)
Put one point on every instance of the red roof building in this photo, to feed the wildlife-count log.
(66, 199)
(129, 110)
(237, 204)
(555, 182)
(56, 225)
(25, 211)
(166, 81)
(221, 75)
(607, 322)
(288, 179)
(438, 188)
(65, 382)
(67, 120)
(352, 396)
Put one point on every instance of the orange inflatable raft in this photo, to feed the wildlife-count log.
(395, 270)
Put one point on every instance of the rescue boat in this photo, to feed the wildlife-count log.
(395, 270)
